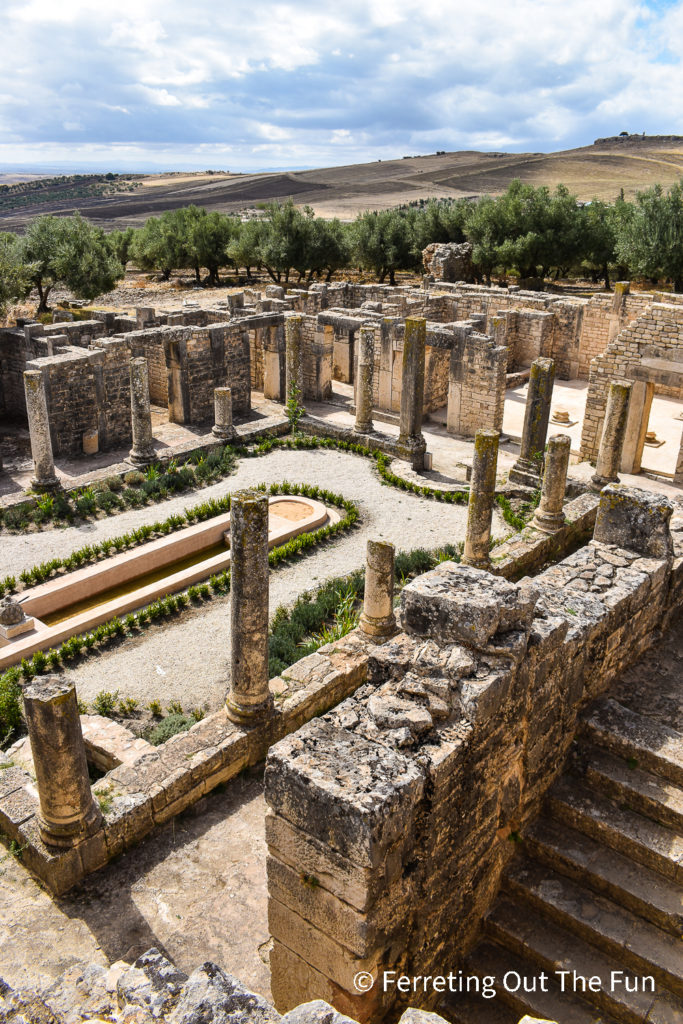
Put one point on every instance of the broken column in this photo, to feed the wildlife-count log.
(639, 406)
(249, 696)
(411, 443)
(613, 434)
(482, 496)
(377, 618)
(294, 356)
(549, 516)
(142, 452)
(45, 478)
(364, 384)
(527, 468)
(222, 403)
(68, 811)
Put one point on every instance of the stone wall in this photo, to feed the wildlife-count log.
(391, 817)
(72, 399)
(650, 348)
(476, 393)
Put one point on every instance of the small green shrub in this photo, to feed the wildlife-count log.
(170, 726)
(105, 703)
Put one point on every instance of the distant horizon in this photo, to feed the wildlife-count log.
(57, 168)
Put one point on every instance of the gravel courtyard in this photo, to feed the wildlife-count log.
(187, 660)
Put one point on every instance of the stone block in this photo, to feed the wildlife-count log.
(460, 603)
(354, 795)
(635, 520)
(210, 994)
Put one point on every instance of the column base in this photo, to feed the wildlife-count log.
(379, 629)
(364, 428)
(526, 473)
(598, 482)
(224, 433)
(46, 486)
(548, 523)
(140, 459)
(70, 834)
(246, 714)
(412, 450)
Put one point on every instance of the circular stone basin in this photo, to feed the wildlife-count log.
(294, 511)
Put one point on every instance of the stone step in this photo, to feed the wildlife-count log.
(647, 893)
(473, 1009)
(626, 733)
(634, 787)
(546, 946)
(490, 959)
(620, 934)
(628, 832)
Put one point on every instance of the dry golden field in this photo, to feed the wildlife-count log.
(599, 171)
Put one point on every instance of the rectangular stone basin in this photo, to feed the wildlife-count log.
(134, 578)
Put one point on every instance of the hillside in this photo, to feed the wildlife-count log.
(599, 170)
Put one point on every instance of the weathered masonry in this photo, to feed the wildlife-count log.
(399, 803)
(478, 341)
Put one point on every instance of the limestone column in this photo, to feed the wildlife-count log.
(39, 428)
(527, 468)
(222, 403)
(412, 445)
(482, 495)
(249, 697)
(142, 452)
(68, 811)
(639, 406)
(613, 434)
(364, 384)
(294, 355)
(549, 516)
(377, 618)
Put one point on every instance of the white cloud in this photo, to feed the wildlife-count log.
(297, 82)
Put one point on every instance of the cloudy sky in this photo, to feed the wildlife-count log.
(257, 84)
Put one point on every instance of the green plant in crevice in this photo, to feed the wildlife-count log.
(294, 410)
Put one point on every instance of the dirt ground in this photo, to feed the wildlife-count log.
(196, 888)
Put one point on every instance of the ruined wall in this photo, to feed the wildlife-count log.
(476, 393)
(12, 365)
(390, 816)
(71, 397)
(214, 357)
(649, 348)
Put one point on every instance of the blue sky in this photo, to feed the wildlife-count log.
(165, 84)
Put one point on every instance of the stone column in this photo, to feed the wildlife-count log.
(613, 434)
(142, 452)
(549, 516)
(364, 384)
(411, 443)
(527, 468)
(482, 495)
(294, 355)
(249, 697)
(377, 619)
(222, 403)
(639, 406)
(39, 429)
(68, 811)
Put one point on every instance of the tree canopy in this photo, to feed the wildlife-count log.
(69, 251)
